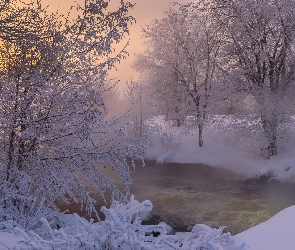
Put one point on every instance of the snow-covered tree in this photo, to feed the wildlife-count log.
(179, 62)
(134, 95)
(54, 138)
(259, 55)
(137, 96)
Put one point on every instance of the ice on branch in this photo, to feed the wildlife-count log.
(121, 229)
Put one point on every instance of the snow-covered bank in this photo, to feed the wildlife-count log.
(218, 150)
(277, 233)
(221, 148)
(121, 229)
(280, 169)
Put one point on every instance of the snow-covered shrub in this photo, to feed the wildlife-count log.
(166, 138)
(163, 137)
(26, 211)
(55, 137)
(122, 230)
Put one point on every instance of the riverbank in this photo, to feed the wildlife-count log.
(77, 233)
(186, 194)
(224, 147)
(274, 234)
(277, 233)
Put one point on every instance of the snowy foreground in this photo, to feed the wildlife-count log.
(277, 233)
(122, 229)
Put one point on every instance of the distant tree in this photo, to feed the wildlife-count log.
(137, 94)
(164, 92)
(54, 137)
(259, 55)
(113, 100)
(134, 95)
(180, 63)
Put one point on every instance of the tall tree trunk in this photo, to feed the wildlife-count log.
(201, 142)
(270, 125)
(10, 154)
(178, 122)
(178, 119)
(199, 121)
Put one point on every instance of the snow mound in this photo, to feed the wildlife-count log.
(282, 170)
(274, 234)
(121, 229)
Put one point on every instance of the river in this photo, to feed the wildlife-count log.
(186, 194)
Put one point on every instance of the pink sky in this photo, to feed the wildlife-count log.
(144, 12)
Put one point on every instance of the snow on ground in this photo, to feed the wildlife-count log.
(280, 169)
(275, 234)
(9, 240)
(222, 148)
(121, 229)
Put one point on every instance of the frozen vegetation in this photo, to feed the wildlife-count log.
(121, 229)
(201, 61)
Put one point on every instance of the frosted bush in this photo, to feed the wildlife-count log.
(163, 137)
(121, 229)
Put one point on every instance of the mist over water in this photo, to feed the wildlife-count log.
(186, 194)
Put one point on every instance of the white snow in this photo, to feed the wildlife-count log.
(121, 229)
(275, 234)
(222, 148)
(280, 169)
(9, 240)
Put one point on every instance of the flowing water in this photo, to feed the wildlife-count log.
(186, 194)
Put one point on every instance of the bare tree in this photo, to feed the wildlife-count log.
(180, 61)
(259, 51)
